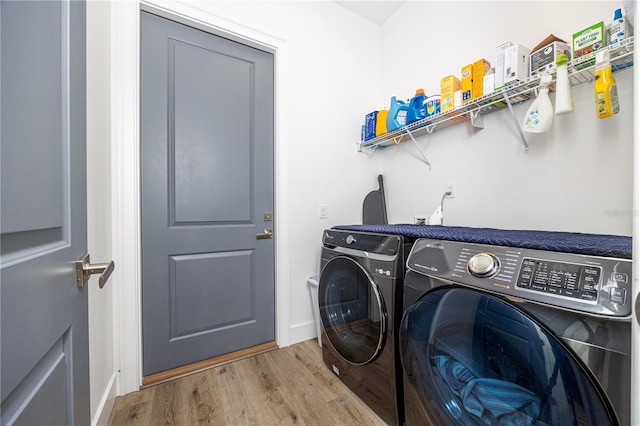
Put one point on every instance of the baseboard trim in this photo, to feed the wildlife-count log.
(107, 402)
(185, 370)
(301, 332)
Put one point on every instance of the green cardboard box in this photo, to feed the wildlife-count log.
(586, 41)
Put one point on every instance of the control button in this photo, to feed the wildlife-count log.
(572, 286)
(526, 272)
(538, 287)
(589, 295)
(589, 279)
(618, 295)
(619, 277)
(483, 265)
(555, 283)
(524, 280)
(591, 270)
(350, 239)
(570, 292)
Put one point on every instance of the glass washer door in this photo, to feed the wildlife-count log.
(475, 359)
(351, 310)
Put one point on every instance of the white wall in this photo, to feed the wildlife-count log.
(575, 178)
(102, 345)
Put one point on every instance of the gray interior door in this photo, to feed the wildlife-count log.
(207, 191)
(45, 349)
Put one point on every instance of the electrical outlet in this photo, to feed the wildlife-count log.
(450, 187)
(420, 219)
(322, 211)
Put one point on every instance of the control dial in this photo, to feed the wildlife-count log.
(483, 265)
(350, 239)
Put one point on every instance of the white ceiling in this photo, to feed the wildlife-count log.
(375, 11)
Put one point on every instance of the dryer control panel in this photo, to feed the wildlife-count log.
(388, 245)
(596, 285)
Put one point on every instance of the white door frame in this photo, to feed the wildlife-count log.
(125, 71)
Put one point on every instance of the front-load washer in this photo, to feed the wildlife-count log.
(496, 334)
(360, 302)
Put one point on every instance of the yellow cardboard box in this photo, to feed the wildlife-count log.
(448, 87)
(467, 82)
(480, 68)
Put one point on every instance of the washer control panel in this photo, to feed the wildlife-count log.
(562, 278)
(596, 285)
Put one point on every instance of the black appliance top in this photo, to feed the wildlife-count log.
(565, 242)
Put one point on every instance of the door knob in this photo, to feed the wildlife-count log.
(268, 233)
(84, 268)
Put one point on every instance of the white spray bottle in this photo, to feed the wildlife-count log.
(564, 99)
(540, 114)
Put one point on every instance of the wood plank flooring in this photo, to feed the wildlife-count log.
(288, 386)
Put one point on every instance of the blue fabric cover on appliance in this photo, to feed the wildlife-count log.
(494, 401)
(567, 242)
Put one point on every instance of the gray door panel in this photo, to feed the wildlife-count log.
(207, 180)
(45, 349)
(30, 75)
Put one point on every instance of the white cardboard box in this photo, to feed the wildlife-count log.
(499, 79)
(516, 63)
(488, 84)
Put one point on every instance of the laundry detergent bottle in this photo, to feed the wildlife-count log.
(397, 116)
(540, 114)
(381, 122)
(433, 105)
(417, 107)
(605, 87)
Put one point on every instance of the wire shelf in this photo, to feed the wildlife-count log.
(581, 70)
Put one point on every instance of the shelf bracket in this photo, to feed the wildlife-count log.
(477, 120)
(430, 128)
(368, 149)
(517, 122)
(424, 157)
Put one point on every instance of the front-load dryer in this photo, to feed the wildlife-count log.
(360, 302)
(510, 335)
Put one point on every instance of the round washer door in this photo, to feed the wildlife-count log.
(470, 358)
(351, 310)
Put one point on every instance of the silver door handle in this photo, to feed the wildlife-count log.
(268, 233)
(84, 268)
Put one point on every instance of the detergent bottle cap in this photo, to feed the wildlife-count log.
(617, 14)
(562, 60)
(419, 92)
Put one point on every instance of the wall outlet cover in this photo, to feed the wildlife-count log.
(420, 219)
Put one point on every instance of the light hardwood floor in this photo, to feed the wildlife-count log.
(285, 386)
